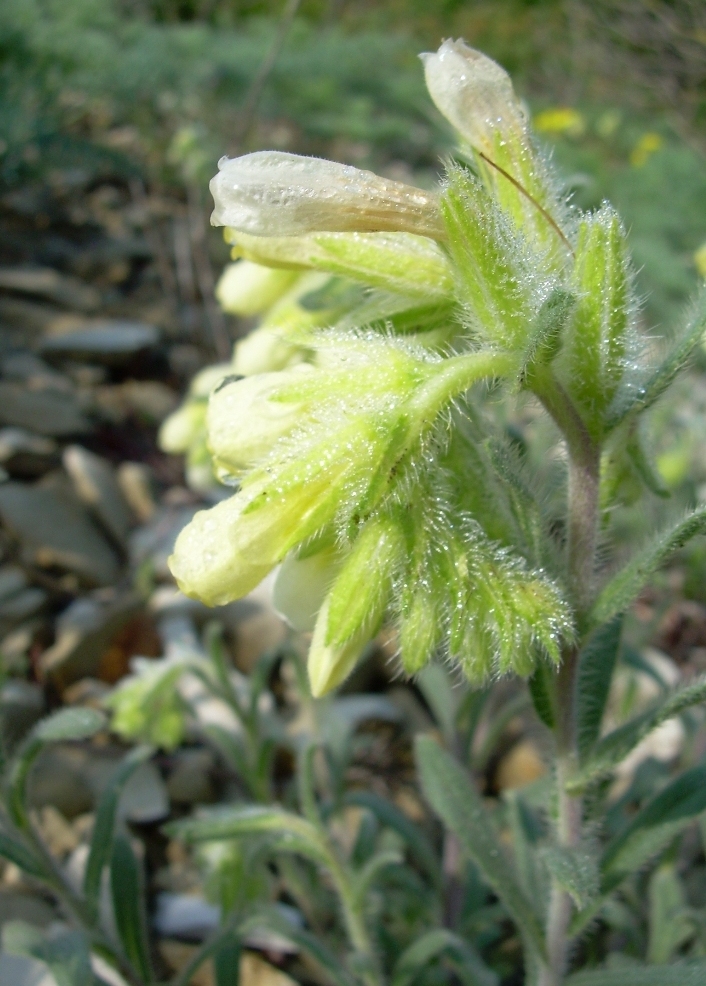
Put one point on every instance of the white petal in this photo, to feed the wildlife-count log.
(271, 193)
(474, 94)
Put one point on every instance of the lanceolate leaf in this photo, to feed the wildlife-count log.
(624, 587)
(102, 838)
(67, 724)
(539, 685)
(673, 362)
(270, 917)
(639, 975)
(18, 854)
(574, 870)
(655, 825)
(596, 663)
(389, 815)
(616, 745)
(454, 798)
(288, 829)
(128, 904)
(435, 943)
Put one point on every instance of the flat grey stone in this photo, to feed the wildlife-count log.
(25, 455)
(55, 530)
(12, 581)
(26, 367)
(84, 631)
(59, 778)
(145, 797)
(20, 607)
(154, 541)
(97, 486)
(46, 410)
(45, 282)
(110, 342)
(21, 705)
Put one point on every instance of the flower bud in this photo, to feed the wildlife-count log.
(183, 427)
(474, 94)
(244, 422)
(246, 288)
(360, 593)
(329, 665)
(272, 193)
(208, 378)
(264, 350)
(224, 552)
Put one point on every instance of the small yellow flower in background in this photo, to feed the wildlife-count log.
(561, 120)
(643, 150)
(700, 259)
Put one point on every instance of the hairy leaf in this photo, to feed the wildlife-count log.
(103, 829)
(453, 797)
(291, 831)
(638, 975)
(595, 672)
(540, 689)
(435, 943)
(67, 724)
(651, 388)
(17, 853)
(127, 887)
(615, 746)
(576, 870)
(330, 963)
(388, 814)
(664, 817)
(624, 587)
(70, 724)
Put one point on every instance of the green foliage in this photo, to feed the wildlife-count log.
(452, 796)
(128, 895)
(654, 827)
(615, 746)
(623, 588)
(66, 953)
(596, 664)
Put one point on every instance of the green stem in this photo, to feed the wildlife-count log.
(354, 921)
(452, 378)
(581, 535)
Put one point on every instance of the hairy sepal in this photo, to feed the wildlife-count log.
(599, 342)
(398, 262)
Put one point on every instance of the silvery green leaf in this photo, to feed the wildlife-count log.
(473, 971)
(450, 792)
(624, 587)
(595, 673)
(655, 825)
(575, 870)
(615, 746)
(681, 974)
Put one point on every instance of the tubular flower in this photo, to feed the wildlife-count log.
(369, 471)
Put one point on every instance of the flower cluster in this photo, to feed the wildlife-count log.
(363, 464)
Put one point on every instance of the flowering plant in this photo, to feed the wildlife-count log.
(375, 462)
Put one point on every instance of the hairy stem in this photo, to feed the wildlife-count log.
(582, 527)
